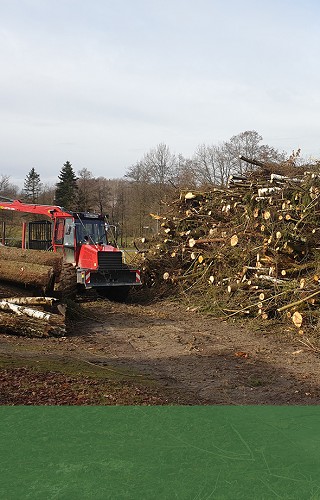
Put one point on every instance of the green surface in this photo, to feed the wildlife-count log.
(160, 452)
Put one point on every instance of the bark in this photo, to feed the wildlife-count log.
(27, 311)
(41, 257)
(26, 273)
(31, 301)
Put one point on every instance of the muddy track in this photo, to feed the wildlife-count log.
(202, 360)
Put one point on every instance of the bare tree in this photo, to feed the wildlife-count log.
(157, 170)
(248, 144)
(101, 195)
(6, 188)
(160, 163)
(142, 198)
(186, 173)
(85, 184)
(213, 164)
(139, 172)
(47, 195)
(223, 163)
(205, 166)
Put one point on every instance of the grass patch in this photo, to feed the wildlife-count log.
(69, 382)
(255, 382)
(72, 367)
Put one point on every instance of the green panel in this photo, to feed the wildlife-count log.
(160, 452)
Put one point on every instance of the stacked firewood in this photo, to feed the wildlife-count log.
(252, 248)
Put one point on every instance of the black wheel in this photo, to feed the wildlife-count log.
(65, 286)
(115, 293)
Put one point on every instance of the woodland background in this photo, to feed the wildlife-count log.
(148, 185)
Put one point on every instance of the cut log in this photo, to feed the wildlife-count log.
(189, 196)
(26, 273)
(264, 191)
(276, 281)
(192, 242)
(40, 257)
(297, 319)
(20, 310)
(302, 283)
(234, 240)
(31, 301)
(256, 212)
(157, 217)
(265, 295)
(266, 215)
(19, 325)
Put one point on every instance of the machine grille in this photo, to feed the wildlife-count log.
(109, 260)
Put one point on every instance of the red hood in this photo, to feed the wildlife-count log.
(88, 256)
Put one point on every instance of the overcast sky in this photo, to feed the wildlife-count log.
(101, 82)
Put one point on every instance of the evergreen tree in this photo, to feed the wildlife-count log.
(32, 186)
(66, 188)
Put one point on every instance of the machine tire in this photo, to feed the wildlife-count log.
(116, 293)
(65, 286)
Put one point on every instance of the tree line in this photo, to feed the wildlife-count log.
(147, 185)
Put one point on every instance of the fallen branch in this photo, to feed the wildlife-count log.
(298, 302)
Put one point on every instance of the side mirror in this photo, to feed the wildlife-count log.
(112, 233)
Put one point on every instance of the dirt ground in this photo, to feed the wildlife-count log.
(158, 353)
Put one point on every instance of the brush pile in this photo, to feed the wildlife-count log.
(250, 249)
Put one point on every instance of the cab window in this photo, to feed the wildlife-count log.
(90, 231)
(59, 232)
(69, 233)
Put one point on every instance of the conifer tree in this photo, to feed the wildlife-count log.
(32, 186)
(66, 188)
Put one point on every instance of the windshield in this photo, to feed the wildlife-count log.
(91, 231)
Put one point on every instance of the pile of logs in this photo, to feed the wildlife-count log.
(35, 268)
(32, 316)
(252, 248)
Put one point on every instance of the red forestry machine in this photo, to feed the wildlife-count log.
(81, 254)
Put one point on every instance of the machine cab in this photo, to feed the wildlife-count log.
(71, 233)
